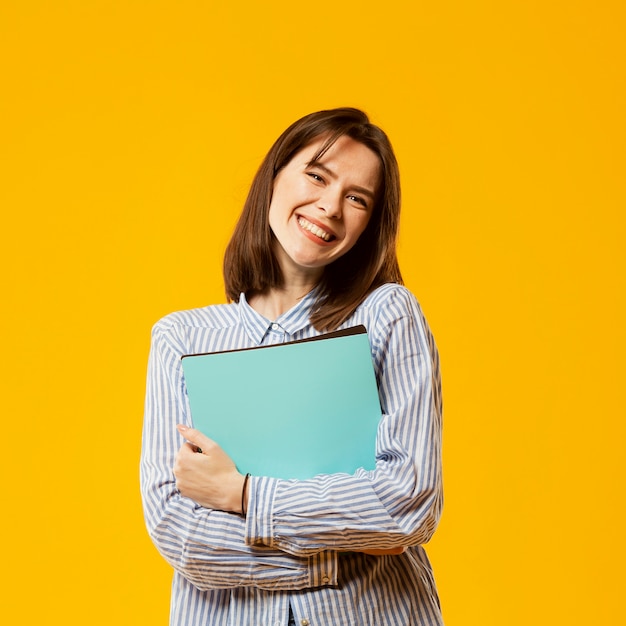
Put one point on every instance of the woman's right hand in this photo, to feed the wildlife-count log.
(206, 474)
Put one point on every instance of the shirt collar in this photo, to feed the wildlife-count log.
(291, 321)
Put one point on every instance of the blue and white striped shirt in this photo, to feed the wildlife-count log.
(300, 543)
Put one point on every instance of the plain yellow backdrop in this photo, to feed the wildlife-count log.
(130, 131)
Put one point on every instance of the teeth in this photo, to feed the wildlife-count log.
(312, 228)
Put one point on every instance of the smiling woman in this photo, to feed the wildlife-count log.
(330, 152)
(314, 250)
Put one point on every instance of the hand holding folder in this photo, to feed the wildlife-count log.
(291, 410)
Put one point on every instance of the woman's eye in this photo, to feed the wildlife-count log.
(358, 200)
(315, 177)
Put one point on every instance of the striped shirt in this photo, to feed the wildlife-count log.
(299, 546)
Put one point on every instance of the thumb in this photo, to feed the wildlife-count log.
(195, 437)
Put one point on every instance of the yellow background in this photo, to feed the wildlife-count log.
(130, 131)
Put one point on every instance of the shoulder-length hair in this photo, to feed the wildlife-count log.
(249, 262)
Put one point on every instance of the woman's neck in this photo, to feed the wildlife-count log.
(274, 302)
(297, 282)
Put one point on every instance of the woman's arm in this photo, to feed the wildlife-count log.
(398, 503)
(206, 546)
(207, 475)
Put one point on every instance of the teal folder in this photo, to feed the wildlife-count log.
(291, 410)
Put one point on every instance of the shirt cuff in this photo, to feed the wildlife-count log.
(259, 527)
(323, 565)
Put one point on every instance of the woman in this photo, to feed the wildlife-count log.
(314, 250)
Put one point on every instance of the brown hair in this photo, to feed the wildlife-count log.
(249, 262)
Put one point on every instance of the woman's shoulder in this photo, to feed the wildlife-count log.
(387, 305)
(195, 330)
(391, 296)
(213, 316)
(391, 307)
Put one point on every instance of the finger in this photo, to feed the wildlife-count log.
(195, 437)
(190, 448)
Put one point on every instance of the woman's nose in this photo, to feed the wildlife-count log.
(330, 203)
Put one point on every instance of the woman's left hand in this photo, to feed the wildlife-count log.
(209, 477)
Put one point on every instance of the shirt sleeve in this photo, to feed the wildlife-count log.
(207, 547)
(397, 504)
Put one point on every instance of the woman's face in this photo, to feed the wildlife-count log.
(318, 211)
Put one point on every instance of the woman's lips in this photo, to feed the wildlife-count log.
(315, 229)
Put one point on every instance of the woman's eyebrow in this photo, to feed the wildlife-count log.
(364, 190)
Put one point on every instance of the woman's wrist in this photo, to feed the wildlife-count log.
(244, 496)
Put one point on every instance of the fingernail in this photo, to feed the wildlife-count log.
(181, 428)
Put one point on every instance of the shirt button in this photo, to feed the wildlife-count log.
(325, 579)
(304, 622)
(275, 326)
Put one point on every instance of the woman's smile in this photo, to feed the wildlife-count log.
(317, 231)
